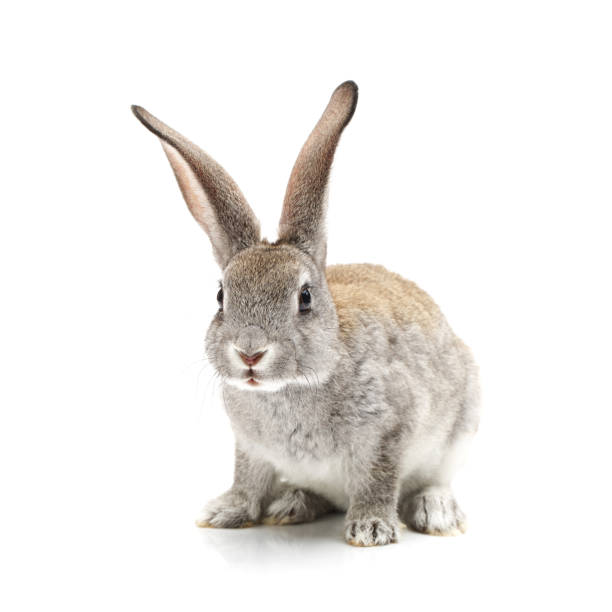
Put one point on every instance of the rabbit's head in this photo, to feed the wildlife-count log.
(276, 323)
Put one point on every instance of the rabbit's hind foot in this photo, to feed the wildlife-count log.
(433, 511)
(295, 506)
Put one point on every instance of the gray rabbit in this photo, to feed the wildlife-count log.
(345, 386)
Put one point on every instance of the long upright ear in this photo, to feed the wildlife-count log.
(303, 218)
(211, 195)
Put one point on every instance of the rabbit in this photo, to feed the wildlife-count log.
(345, 387)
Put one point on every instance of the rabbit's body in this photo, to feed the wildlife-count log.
(345, 386)
(403, 374)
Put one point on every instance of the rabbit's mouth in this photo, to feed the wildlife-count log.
(251, 381)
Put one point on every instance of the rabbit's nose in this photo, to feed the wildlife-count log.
(251, 360)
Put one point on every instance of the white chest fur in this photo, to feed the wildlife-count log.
(324, 476)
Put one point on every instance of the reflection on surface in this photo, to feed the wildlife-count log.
(266, 544)
(299, 545)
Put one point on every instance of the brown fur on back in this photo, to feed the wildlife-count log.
(359, 289)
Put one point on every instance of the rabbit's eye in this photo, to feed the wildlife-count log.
(220, 298)
(305, 299)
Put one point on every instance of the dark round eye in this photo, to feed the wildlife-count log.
(305, 299)
(220, 298)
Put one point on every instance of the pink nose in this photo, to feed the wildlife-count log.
(251, 360)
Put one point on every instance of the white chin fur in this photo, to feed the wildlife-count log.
(267, 385)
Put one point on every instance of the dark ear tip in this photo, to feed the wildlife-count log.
(139, 112)
(348, 85)
(149, 121)
(347, 93)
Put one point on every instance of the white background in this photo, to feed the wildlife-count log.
(478, 164)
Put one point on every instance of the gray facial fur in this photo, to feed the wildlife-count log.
(363, 400)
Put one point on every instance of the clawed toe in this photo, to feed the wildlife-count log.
(370, 532)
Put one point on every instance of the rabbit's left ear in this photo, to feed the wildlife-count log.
(303, 218)
(211, 195)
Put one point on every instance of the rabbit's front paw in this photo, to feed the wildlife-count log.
(372, 531)
(230, 511)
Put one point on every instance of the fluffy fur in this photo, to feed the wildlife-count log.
(365, 402)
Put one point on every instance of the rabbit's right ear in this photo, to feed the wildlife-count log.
(211, 195)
